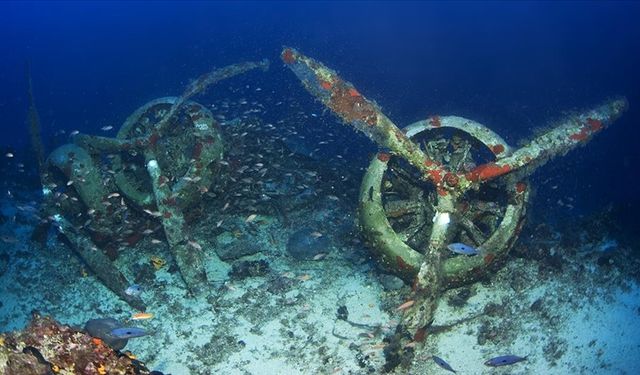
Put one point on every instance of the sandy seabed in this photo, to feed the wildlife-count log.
(330, 316)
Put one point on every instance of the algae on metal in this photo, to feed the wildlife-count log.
(148, 132)
(99, 263)
(425, 266)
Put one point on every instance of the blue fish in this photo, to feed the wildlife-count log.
(504, 360)
(442, 363)
(128, 332)
(460, 248)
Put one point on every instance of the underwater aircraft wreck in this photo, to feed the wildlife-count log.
(162, 157)
(441, 180)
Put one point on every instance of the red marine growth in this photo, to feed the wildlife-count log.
(487, 172)
(288, 57)
(325, 85)
(350, 105)
(153, 139)
(435, 121)
(197, 150)
(451, 179)
(497, 149)
(591, 126)
(383, 156)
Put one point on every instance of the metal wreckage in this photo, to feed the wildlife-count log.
(164, 154)
(440, 180)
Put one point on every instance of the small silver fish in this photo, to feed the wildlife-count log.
(442, 363)
(504, 360)
(133, 290)
(460, 248)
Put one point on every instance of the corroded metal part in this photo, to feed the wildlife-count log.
(496, 145)
(486, 136)
(96, 145)
(428, 284)
(189, 260)
(571, 133)
(434, 275)
(203, 82)
(427, 267)
(100, 264)
(187, 157)
(356, 110)
(83, 176)
(78, 167)
(396, 254)
(182, 140)
(390, 249)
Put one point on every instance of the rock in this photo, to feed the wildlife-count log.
(250, 268)
(238, 249)
(390, 282)
(460, 297)
(304, 244)
(536, 305)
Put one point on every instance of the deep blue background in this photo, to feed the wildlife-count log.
(512, 66)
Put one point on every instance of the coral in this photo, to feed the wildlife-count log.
(47, 346)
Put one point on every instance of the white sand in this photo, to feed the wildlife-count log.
(589, 322)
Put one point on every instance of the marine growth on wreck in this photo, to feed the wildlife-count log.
(270, 217)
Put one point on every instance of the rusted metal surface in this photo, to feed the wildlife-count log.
(455, 201)
(356, 110)
(162, 160)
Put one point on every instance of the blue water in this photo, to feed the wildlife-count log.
(514, 66)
